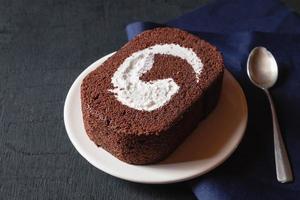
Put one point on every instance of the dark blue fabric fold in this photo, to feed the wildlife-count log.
(235, 27)
(227, 16)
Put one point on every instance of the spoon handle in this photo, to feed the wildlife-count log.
(283, 167)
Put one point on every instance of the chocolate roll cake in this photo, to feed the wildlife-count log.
(144, 100)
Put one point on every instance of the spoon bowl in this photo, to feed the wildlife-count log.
(262, 68)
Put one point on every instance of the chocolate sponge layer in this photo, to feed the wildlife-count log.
(141, 137)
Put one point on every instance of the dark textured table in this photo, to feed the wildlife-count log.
(44, 45)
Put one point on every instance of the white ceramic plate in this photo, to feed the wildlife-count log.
(208, 146)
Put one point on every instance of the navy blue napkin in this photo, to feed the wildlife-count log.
(235, 27)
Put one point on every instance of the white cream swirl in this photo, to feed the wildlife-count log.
(148, 96)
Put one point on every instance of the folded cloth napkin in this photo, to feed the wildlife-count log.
(235, 27)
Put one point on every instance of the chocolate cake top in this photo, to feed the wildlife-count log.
(147, 85)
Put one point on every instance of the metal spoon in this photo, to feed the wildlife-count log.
(263, 72)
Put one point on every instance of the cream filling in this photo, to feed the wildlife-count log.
(148, 96)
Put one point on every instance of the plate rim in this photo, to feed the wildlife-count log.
(114, 173)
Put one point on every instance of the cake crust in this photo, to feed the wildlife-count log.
(143, 137)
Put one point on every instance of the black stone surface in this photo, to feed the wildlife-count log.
(44, 45)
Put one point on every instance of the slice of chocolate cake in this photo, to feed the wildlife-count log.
(143, 101)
